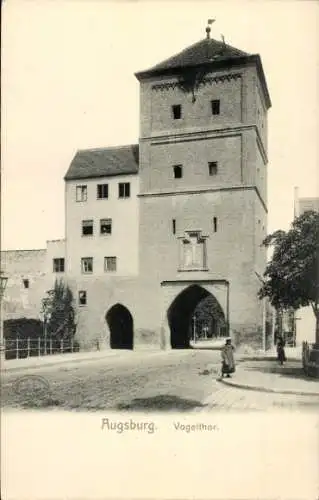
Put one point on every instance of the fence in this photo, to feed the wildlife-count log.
(27, 347)
(310, 360)
(202, 330)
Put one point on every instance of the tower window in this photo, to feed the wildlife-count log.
(215, 224)
(87, 227)
(26, 283)
(102, 191)
(82, 298)
(58, 265)
(212, 167)
(106, 226)
(177, 111)
(174, 226)
(81, 193)
(215, 107)
(87, 265)
(124, 190)
(178, 171)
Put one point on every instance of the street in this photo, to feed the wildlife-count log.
(177, 380)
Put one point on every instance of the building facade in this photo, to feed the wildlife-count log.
(304, 317)
(154, 228)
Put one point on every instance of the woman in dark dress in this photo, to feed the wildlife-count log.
(228, 361)
(281, 356)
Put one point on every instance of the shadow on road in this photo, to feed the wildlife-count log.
(161, 403)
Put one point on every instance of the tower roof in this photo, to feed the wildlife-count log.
(213, 54)
(203, 52)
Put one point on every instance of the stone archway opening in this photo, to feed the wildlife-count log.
(120, 323)
(195, 314)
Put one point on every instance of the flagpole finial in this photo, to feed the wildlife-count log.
(208, 28)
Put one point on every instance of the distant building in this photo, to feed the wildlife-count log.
(305, 318)
(155, 227)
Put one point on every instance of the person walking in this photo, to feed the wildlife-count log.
(228, 361)
(281, 355)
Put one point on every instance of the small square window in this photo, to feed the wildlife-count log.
(26, 283)
(102, 191)
(81, 193)
(82, 298)
(177, 111)
(174, 226)
(58, 265)
(124, 190)
(87, 227)
(212, 167)
(109, 264)
(215, 107)
(178, 171)
(106, 226)
(87, 265)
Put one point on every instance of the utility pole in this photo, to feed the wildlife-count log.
(194, 328)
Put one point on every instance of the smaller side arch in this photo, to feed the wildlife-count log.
(120, 323)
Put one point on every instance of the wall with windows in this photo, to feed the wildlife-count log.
(56, 261)
(102, 227)
(195, 161)
(217, 102)
(235, 89)
(30, 274)
(27, 281)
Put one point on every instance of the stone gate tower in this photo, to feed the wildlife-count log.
(203, 190)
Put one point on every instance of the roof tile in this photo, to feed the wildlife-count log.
(203, 52)
(103, 162)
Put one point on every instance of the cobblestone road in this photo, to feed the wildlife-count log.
(173, 381)
(227, 398)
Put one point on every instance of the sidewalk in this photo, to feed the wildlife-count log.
(53, 359)
(266, 375)
(59, 359)
(13, 365)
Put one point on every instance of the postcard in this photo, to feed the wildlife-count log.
(159, 250)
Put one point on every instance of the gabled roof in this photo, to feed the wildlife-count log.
(203, 52)
(103, 162)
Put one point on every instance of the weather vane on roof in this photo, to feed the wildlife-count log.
(208, 29)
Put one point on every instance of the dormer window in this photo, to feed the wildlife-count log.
(177, 111)
(215, 107)
(178, 171)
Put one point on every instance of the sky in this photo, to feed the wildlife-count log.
(68, 83)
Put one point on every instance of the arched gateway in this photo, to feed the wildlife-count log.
(194, 304)
(120, 322)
